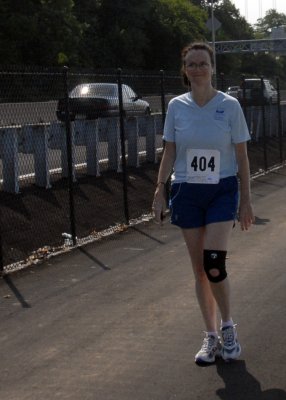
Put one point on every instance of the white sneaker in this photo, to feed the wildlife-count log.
(211, 349)
(230, 347)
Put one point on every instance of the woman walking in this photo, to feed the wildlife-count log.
(205, 136)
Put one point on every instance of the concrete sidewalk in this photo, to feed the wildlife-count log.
(124, 324)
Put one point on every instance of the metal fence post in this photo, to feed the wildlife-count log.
(1, 248)
(263, 124)
(222, 88)
(69, 156)
(163, 105)
(243, 94)
(162, 87)
(10, 159)
(279, 120)
(122, 140)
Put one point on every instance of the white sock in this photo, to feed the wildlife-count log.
(226, 323)
(215, 334)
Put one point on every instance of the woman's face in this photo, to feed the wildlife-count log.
(198, 67)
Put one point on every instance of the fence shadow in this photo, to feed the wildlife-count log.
(241, 385)
(8, 280)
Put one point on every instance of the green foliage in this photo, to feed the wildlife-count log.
(119, 32)
(36, 32)
(233, 27)
(145, 34)
(269, 65)
(271, 20)
(172, 25)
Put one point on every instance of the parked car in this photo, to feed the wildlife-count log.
(233, 91)
(254, 95)
(94, 100)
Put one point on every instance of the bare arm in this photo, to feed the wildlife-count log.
(166, 166)
(246, 214)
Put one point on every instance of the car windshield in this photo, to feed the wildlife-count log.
(99, 90)
(253, 84)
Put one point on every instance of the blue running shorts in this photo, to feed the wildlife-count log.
(193, 205)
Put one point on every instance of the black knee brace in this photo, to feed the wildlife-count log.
(214, 260)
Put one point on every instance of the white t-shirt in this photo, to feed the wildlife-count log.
(213, 129)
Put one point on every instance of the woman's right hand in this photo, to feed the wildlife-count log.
(159, 204)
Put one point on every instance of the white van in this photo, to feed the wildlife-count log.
(253, 96)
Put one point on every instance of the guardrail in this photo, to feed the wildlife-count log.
(265, 118)
(39, 139)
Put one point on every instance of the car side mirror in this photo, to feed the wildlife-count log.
(135, 98)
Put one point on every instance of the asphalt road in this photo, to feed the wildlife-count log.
(119, 320)
(39, 112)
(45, 111)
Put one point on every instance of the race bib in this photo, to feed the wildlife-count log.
(203, 166)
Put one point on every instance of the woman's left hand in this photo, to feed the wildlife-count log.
(159, 204)
(246, 215)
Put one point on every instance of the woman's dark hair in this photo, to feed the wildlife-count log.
(194, 46)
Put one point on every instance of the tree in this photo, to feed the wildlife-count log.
(15, 17)
(172, 24)
(86, 12)
(41, 32)
(113, 39)
(272, 19)
(115, 36)
(268, 64)
(203, 3)
(60, 32)
(233, 27)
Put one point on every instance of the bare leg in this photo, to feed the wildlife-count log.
(213, 237)
(221, 292)
(216, 238)
(194, 239)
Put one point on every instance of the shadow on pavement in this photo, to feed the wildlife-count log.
(94, 259)
(8, 280)
(261, 221)
(240, 384)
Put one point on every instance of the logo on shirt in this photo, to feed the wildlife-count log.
(219, 114)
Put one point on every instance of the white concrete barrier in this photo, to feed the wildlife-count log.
(38, 140)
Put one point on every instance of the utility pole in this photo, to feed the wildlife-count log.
(274, 4)
(260, 8)
(213, 35)
(214, 25)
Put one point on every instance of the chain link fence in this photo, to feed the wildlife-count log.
(80, 152)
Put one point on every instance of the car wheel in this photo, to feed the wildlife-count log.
(147, 111)
(60, 116)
